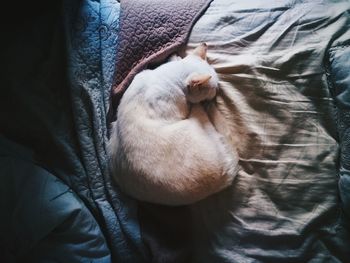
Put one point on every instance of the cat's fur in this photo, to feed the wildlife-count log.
(163, 147)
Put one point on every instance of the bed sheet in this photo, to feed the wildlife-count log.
(275, 107)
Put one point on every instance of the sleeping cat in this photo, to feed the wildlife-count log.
(163, 147)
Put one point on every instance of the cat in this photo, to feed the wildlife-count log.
(163, 148)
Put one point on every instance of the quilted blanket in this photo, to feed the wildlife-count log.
(337, 62)
(60, 61)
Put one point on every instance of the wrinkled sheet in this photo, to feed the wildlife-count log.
(275, 107)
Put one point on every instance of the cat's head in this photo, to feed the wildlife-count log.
(202, 81)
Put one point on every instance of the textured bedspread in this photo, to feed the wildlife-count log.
(276, 107)
(60, 61)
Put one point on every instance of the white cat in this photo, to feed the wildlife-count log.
(163, 147)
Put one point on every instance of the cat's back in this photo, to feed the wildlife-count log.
(153, 82)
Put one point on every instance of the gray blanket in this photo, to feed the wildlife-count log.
(60, 61)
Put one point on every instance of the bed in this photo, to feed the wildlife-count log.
(284, 103)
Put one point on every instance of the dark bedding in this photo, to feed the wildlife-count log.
(285, 85)
(60, 61)
(42, 220)
(337, 66)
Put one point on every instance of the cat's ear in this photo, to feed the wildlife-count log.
(174, 57)
(201, 51)
(198, 80)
